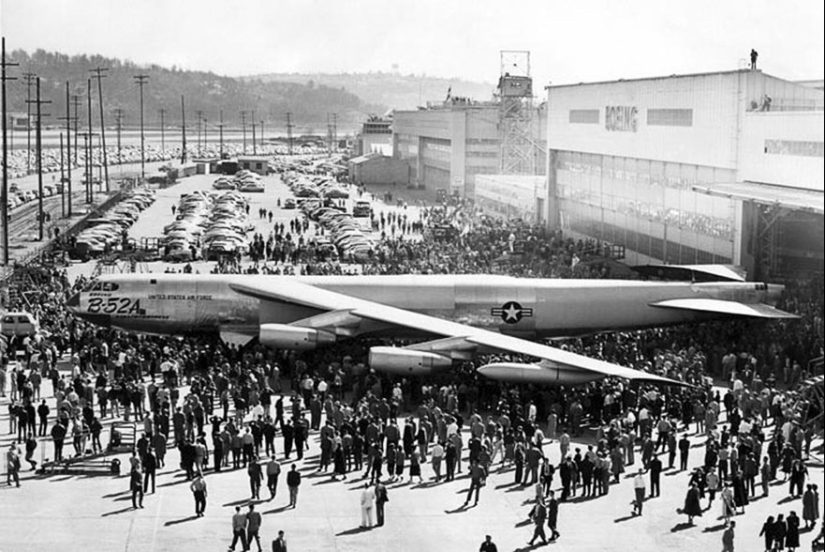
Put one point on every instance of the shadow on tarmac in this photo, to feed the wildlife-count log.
(682, 526)
(714, 528)
(181, 520)
(116, 512)
(353, 531)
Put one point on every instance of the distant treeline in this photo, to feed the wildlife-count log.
(209, 93)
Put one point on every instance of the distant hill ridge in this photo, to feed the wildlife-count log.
(309, 103)
(393, 90)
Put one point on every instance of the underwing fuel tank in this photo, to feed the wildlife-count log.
(538, 374)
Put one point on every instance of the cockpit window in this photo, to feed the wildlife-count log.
(103, 286)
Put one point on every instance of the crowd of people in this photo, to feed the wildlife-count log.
(223, 408)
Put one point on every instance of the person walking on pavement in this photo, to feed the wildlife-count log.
(539, 516)
(198, 488)
(239, 530)
(381, 498)
(553, 515)
(477, 475)
(273, 472)
(293, 481)
(13, 465)
(136, 486)
(256, 476)
(253, 527)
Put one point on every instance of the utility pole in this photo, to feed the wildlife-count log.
(243, 129)
(183, 130)
(76, 105)
(205, 135)
(5, 190)
(335, 131)
(263, 141)
(289, 133)
(39, 146)
(119, 123)
(68, 181)
(162, 131)
(199, 115)
(62, 181)
(254, 146)
(142, 80)
(220, 134)
(100, 76)
(90, 192)
(29, 78)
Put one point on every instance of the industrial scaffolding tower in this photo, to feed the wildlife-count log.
(515, 120)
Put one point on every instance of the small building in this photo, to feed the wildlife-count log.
(375, 137)
(255, 163)
(206, 165)
(375, 168)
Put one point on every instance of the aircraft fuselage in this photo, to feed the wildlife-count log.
(181, 304)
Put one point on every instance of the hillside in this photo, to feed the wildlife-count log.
(392, 90)
(204, 91)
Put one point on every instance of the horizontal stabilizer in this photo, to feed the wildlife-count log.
(720, 306)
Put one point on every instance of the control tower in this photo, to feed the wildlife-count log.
(515, 119)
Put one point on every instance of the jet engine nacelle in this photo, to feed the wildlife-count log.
(282, 336)
(406, 361)
(540, 374)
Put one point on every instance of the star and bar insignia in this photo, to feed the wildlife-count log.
(511, 312)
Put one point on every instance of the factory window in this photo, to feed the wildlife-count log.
(670, 117)
(586, 116)
(795, 147)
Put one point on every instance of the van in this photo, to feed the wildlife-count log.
(362, 209)
(18, 323)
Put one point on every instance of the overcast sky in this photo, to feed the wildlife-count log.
(570, 40)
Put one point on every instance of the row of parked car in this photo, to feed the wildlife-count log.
(18, 198)
(306, 185)
(243, 181)
(343, 231)
(210, 224)
(106, 232)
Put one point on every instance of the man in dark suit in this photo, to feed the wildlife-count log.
(684, 449)
(150, 468)
(381, 497)
(655, 476)
(293, 481)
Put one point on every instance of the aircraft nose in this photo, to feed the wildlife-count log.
(74, 301)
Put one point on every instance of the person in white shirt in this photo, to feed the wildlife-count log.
(639, 488)
(367, 503)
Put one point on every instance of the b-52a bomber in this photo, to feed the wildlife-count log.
(457, 316)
